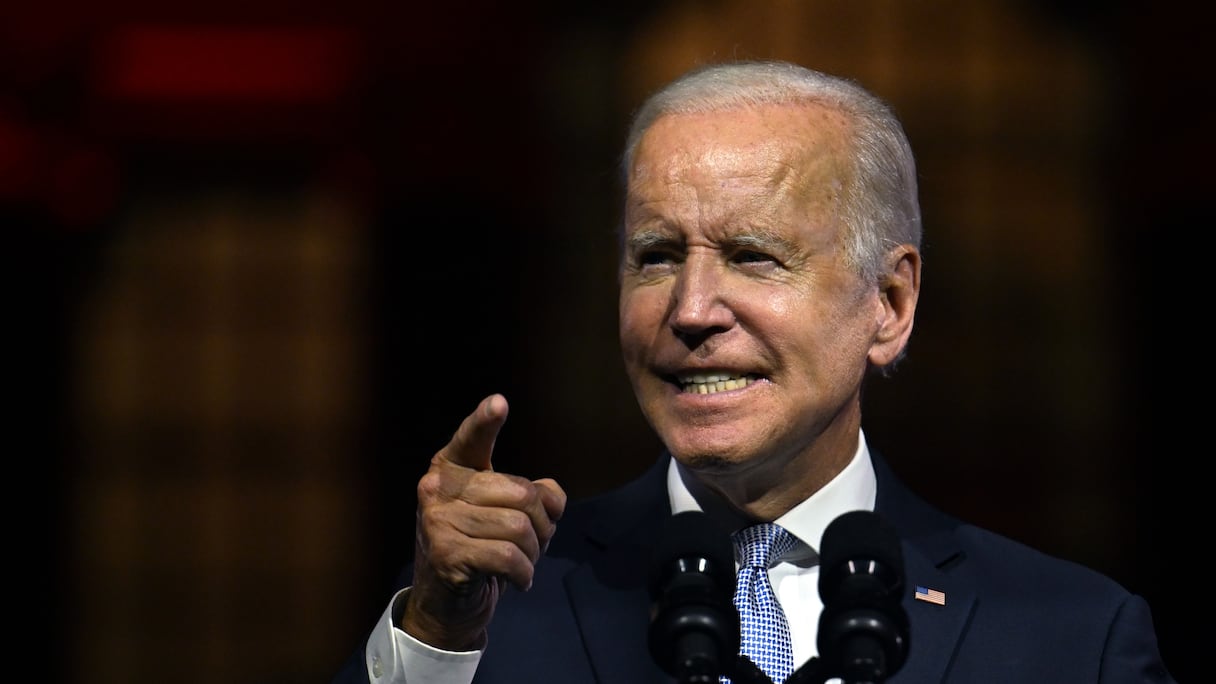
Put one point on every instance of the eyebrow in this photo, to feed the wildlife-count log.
(644, 239)
(764, 240)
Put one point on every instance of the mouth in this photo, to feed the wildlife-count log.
(710, 383)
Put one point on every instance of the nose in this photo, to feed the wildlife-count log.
(699, 306)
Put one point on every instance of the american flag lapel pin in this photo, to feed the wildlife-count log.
(930, 595)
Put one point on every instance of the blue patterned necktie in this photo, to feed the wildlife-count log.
(764, 632)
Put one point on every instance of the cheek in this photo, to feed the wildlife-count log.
(847, 335)
(817, 329)
(783, 305)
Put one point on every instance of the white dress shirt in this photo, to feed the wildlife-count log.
(394, 657)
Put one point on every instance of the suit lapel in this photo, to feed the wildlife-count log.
(930, 551)
(609, 594)
(615, 625)
(934, 630)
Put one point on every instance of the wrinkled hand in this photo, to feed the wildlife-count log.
(476, 529)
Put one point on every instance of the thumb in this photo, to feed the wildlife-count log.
(473, 444)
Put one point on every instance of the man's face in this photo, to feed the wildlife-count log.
(744, 334)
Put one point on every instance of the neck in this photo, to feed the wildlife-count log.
(770, 485)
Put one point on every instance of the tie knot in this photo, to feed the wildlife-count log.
(762, 544)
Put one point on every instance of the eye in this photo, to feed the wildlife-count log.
(654, 257)
(654, 261)
(751, 256)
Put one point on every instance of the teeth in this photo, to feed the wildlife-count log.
(708, 384)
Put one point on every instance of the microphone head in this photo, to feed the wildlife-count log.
(861, 561)
(863, 629)
(694, 627)
(690, 542)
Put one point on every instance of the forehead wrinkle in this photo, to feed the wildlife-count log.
(754, 216)
(748, 219)
(738, 185)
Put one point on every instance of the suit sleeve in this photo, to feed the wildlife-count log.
(1131, 653)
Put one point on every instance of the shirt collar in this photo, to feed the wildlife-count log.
(854, 488)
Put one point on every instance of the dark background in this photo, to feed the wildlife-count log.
(268, 255)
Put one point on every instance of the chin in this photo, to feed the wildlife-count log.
(703, 461)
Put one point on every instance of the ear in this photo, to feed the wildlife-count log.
(898, 290)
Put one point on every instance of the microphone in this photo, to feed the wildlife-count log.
(863, 630)
(694, 627)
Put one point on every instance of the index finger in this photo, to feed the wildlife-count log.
(473, 444)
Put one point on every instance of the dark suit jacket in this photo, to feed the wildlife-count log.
(1012, 614)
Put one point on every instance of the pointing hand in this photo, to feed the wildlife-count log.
(476, 529)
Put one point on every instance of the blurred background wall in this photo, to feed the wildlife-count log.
(269, 254)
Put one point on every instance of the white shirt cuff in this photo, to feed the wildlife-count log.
(394, 657)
